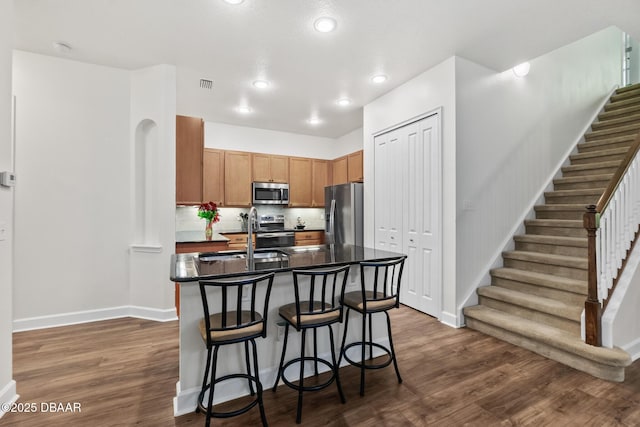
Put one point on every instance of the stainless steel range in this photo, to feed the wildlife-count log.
(272, 234)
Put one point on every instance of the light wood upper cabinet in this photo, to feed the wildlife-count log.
(319, 180)
(237, 178)
(340, 171)
(213, 176)
(270, 168)
(189, 152)
(354, 167)
(299, 182)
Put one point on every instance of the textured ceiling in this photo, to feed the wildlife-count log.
(309, 71)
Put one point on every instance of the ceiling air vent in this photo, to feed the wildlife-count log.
(206, 84)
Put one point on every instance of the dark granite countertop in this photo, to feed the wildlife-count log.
(198, 236)
(191, 267)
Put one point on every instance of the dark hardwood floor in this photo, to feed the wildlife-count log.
(123, 373)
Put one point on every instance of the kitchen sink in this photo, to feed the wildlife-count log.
(258, 256)
(221, 256)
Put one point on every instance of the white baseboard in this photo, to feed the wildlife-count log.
(633, 348)
(185, 400)
(8, 395)
(451, 319)
(73, 318)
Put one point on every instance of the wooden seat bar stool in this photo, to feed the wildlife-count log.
(236, 320)
(382, 294)
(317, 304)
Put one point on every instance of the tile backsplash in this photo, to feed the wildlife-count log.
(187, 217)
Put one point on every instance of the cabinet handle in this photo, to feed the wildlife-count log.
(392, 237)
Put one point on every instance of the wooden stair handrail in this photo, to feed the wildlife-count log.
(604, 200)
(591, 221)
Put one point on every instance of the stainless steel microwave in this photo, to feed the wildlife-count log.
(270, 193)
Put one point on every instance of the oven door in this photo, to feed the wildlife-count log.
(275, 240)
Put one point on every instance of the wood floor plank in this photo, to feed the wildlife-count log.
(124, 372)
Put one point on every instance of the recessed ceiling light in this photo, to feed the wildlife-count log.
(243, 109)
(325, 24)
(261, 84)
(343, 102)
(314, 121)
(233, 1)
(380, 78)
(521, 70)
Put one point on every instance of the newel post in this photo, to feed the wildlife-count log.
(592, 306)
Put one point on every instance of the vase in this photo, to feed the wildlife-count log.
(208, 231)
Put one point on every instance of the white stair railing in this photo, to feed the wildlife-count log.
(612, 227)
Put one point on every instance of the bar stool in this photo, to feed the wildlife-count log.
(231, 324)
(384, 295)
(317, 304)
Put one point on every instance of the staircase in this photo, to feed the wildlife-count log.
(536, 299)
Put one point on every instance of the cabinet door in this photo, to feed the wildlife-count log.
(354, 167)
(340, 167)
(261, 167)
(320, 179)
(280, 169)
(300, 182)
(213, 176)
(237, 178)
(189, 147)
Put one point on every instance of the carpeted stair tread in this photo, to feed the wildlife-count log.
(625, 94)
(588, 166)
(548, 259)
(550, 336)
(615, 121)
(622, 104)
(618, 112)
(579, 192)
(579, 242)
(603, 133)
(569, 223)
(541, 279)
(628, 88)
(603, 144)
(532, 302)
(596, 179)
(599, 155)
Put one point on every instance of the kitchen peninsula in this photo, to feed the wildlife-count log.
(188, 268)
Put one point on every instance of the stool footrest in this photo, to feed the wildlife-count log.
(363, 364)
(202, 407)
(308, 388)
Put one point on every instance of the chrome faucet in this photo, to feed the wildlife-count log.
(253, 213)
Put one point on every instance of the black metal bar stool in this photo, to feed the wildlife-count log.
(382, 295)
(317, 303)
(235, 321)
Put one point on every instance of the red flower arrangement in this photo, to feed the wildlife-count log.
(209, 211)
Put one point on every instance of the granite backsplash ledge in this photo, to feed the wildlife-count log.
(187, 218)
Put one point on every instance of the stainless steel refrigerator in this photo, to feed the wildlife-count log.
(343, 207)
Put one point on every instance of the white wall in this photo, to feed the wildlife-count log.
(348, 143)
(430, 90)
(153, 111)
(241, 138)
(72, 226)
(7, 385)
(511, 136)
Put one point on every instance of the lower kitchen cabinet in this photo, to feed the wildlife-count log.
(238, 241)
(308, 238)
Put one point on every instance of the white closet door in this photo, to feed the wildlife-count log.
(408, 200)
(422, 224)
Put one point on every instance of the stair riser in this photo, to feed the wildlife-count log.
(540, 291)
(584, 185)
(606, 158)
(629, 94)
(556, 270)
(619, 112)
(569, 200)
(614, 122)
(556, 231)
(551, 249)
(573, 215)
(547, 319)
(588, 148)
(590, 171)
(600, 135)
(609, 373)
(613, 106)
